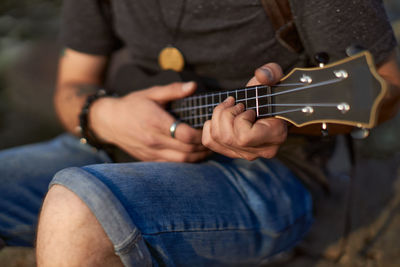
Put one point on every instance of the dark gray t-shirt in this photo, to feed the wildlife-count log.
(223, 40)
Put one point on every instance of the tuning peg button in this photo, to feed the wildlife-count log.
(324, 130)
(305, 79)
(354, 49)
(360, 133)
(321, 58)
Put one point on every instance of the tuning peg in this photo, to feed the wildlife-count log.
(359, 133)
(321, 58)
(324, 130)
(354, 49)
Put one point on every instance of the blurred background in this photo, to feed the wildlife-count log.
(28, 64)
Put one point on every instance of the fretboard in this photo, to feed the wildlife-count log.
(197, 109)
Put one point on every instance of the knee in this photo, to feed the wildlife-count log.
(61, 208)
(68, 232)
(62, 212)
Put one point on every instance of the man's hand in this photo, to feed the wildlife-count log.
(139, 124)
(235, 132)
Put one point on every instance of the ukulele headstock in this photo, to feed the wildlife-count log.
(345, 92)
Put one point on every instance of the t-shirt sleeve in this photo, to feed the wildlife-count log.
(86, 26)
(332, 26)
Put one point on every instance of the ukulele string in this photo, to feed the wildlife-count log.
(322, 105)
(197, 125)
(227, 93)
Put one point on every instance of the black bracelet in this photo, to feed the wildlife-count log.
(87, 135)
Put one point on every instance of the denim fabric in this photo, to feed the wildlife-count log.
(221, 212)
(25, 173)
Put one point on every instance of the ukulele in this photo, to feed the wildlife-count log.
(345, 92)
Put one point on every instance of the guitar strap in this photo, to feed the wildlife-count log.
(281, 18)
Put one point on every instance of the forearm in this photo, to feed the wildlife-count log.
(79, 76)
(69, 100)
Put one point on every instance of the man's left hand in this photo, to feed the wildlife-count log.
(235, 132)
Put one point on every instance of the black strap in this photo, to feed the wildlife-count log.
(281, 18)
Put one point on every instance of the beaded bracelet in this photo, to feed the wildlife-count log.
(87, 135)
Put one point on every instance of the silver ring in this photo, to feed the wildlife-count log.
(173, 127)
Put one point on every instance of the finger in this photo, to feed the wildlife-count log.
(161, 141)
(248, 153)
(178, 156)
(253, 81)
(232, 152)
(187, 134)
(220, 111)
(167, 93)
(268, 152)
(268, 131)
(209, 142)
(183, 132)
(269, 73)
(228, 116)
(217, 114)
(242, 126)
(222, 125)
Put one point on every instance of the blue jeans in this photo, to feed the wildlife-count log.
(25, 174)
(221, 212)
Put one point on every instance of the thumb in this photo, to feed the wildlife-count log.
(269, 74)
(170, 92)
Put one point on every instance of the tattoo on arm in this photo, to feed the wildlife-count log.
(86, 89)
(81, 90)
(62, 53)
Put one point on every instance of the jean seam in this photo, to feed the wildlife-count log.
(275, 234)
(128, 243)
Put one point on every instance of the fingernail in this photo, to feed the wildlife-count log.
(186, 87)
(228, 99)
(267, 72)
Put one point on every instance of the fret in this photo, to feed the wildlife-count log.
(190, 111)
(187, 110)
(195, 110)
(204, 108)
(200, 109)
(263, 100)
(257, 104)
(271, 108)
(251, 99)
(245, 97)
(241, 97)
(225, 95)
(210, 106)
(182, 109)
(216, 99)
(231, 93)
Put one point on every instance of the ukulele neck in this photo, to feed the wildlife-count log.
(197, 109)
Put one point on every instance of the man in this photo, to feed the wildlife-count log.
(165, 210)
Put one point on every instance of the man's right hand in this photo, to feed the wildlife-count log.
(139, 124)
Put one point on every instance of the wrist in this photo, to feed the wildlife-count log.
(91, 116)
